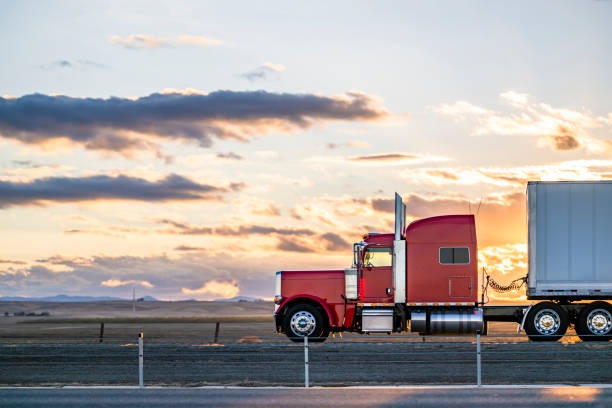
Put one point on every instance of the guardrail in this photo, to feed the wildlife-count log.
(273, 360)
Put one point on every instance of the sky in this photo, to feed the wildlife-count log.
(191, 149)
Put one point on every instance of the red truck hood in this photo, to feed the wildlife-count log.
(327, 285)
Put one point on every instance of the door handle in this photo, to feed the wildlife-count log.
(388, 291)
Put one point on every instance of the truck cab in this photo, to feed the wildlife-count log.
(431, 262)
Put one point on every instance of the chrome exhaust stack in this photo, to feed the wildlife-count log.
(399, 252)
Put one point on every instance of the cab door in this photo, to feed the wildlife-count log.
(376, 284)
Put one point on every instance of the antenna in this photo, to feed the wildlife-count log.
(480, 202)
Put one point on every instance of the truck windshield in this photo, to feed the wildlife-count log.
(377, 257)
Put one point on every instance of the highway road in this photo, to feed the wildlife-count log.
(314, 397)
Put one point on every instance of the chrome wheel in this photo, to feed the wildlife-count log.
(303, 323)
(599, 321)
(547, 321)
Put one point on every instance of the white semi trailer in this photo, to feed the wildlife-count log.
(570, 259)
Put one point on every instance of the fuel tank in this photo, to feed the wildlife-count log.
(463, 321)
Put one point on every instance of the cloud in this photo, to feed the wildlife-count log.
(564, 139)
(225, 230)
(198, 40)
(350, 143)
(559, 129)
(126, 125)
(77, 189)
(335, 242)
(31, 171)
(188, 248)
(386, 157)
(90, 63)
(224, 289)
(57, 64)
(379, 159)
(273, 67)
(167, 275)
(287, 239)
(264, 71)
(461, 110)
(113, 283)
(293, 245)
(229, 156)
(12, 262)
(140, 41)
(513, 177)
(268, 210)
(80, 63)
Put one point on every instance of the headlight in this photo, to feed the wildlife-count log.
(278, 299)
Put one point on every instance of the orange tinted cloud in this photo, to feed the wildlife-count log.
(136, 41)
(224, 289)
(113, 283)
(510, 176)
(557, 128)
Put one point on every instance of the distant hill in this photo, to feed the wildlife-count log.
(240, 299)
(67, 298)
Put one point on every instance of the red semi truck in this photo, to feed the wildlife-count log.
(424, 277)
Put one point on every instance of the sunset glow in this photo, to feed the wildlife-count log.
(191, 150)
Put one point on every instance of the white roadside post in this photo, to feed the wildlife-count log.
(306, 379)
(478, 369)
(140, 362)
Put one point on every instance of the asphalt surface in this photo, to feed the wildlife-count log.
(376, 397)
(334, 363)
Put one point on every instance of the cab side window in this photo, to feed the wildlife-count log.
(377, 257)
(454, 255)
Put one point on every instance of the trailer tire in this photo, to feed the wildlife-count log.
(595, 322)
(546, 321)
(305, 320)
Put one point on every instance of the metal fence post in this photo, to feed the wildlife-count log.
(478, 368)
(306, 374)
(216, 333)
(140, 362)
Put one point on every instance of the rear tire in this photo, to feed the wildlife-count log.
(546, 321)
(595, 322)
(304, 320)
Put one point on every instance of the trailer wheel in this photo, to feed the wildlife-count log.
(595, 322)
(546, 321)
(305, 320)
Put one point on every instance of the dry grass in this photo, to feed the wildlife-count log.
(186, 319)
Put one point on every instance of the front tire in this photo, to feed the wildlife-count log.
(546, 321)
(304, 320)
(595, 322)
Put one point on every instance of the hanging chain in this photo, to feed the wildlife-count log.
(514, 285)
